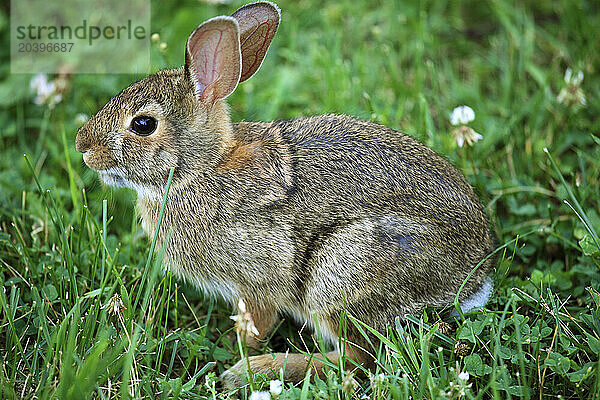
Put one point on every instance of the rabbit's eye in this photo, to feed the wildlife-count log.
(143, 125)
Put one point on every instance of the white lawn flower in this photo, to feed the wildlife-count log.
(242, 306)
(571, 79)
(39, 81)
(349, 384)
(46, 91)
(275, 387)
(572, 94)
(81, 118)
(462, 115)
(466, 134)
(378, 380)
(244, 323)
(43, 88)
(260, 396)
(461, 386)
(114, 305)
(155, 38)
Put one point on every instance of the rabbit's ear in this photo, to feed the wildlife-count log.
(212, 59)
(258, 23)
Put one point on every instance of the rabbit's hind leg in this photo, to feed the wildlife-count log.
(383, 267)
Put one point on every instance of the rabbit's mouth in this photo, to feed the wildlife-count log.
(113, 177)
(117, 177)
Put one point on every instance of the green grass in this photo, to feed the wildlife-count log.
(86, 311)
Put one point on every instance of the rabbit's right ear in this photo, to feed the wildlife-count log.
(258, 23)
(213, 59)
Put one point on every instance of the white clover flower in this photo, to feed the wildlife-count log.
(571, 79)
(155, 38)
(244, 323)
(462, 115)
(115, 305)
(55, 100)
(46, 91)
(465, 134)
(349, 384)
(464, 376)
(572, 94)
(81, 118)
(378, 380)
(568, 74)
(260, 396)
(39, 80)
(241, 306)
(275, 388)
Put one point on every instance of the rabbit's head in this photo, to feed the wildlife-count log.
(178, 118)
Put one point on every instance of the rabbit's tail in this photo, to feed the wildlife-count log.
(479, 298)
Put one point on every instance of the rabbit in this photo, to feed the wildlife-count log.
(306, 218)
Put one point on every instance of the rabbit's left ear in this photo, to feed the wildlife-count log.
(212, 59)
(258, 23)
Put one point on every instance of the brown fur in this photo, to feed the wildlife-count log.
(305, 218)
(240, 156)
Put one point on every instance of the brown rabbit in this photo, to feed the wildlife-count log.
(306, 217)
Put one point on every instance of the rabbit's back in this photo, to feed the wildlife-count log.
(340, 167)
(371, 165)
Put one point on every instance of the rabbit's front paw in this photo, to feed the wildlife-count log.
(267, 364)
(237, 375)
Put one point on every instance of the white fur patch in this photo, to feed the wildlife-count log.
(479, 298)
(116, 177)
(215, 289)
